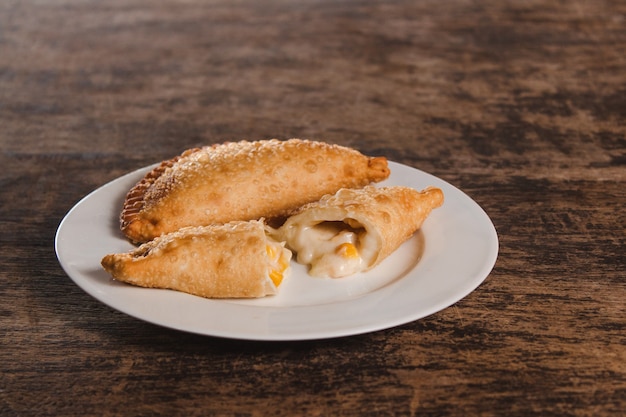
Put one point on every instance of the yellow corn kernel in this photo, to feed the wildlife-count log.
(271, 251)
(347, 250)
(276, 277)
(283, 263)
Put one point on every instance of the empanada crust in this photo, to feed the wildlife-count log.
(219, 261)
(242, 181)
(390, 215)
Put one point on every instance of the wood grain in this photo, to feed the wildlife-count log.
(519, 104)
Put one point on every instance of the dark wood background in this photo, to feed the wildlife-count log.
(521, 104)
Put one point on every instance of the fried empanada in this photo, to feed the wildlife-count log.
(234, 260)
(355, 229)
(242, 181)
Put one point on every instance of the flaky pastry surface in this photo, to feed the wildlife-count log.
(217, 261)
(388, 215)
(242, 181)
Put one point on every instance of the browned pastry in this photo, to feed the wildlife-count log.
(355, 229)
(242, 181)
(235, 260)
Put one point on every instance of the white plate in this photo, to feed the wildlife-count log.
(452, 254)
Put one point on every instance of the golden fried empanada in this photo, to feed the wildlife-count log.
(234, 260)
(355, 229)
(242, 181)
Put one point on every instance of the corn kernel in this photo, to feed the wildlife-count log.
(283, 263)
(347, 250)
(271, 252)
(276, 277)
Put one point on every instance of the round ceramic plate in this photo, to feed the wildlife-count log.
(443, 262)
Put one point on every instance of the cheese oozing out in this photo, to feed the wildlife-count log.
(332, 248)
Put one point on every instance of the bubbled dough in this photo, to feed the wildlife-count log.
(219, 261)
(243, 181)
(390, 215)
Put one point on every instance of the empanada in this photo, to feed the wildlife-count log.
(355, 229)
(242, 181)
(234, 260)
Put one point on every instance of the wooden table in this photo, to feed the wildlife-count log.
(522, 105)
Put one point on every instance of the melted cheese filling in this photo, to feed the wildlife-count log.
(332, 248)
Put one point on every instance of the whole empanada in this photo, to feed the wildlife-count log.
(242, 181)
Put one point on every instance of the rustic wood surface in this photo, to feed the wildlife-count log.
(521, 104)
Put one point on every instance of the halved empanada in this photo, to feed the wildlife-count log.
(235, 260)
(355, 229)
